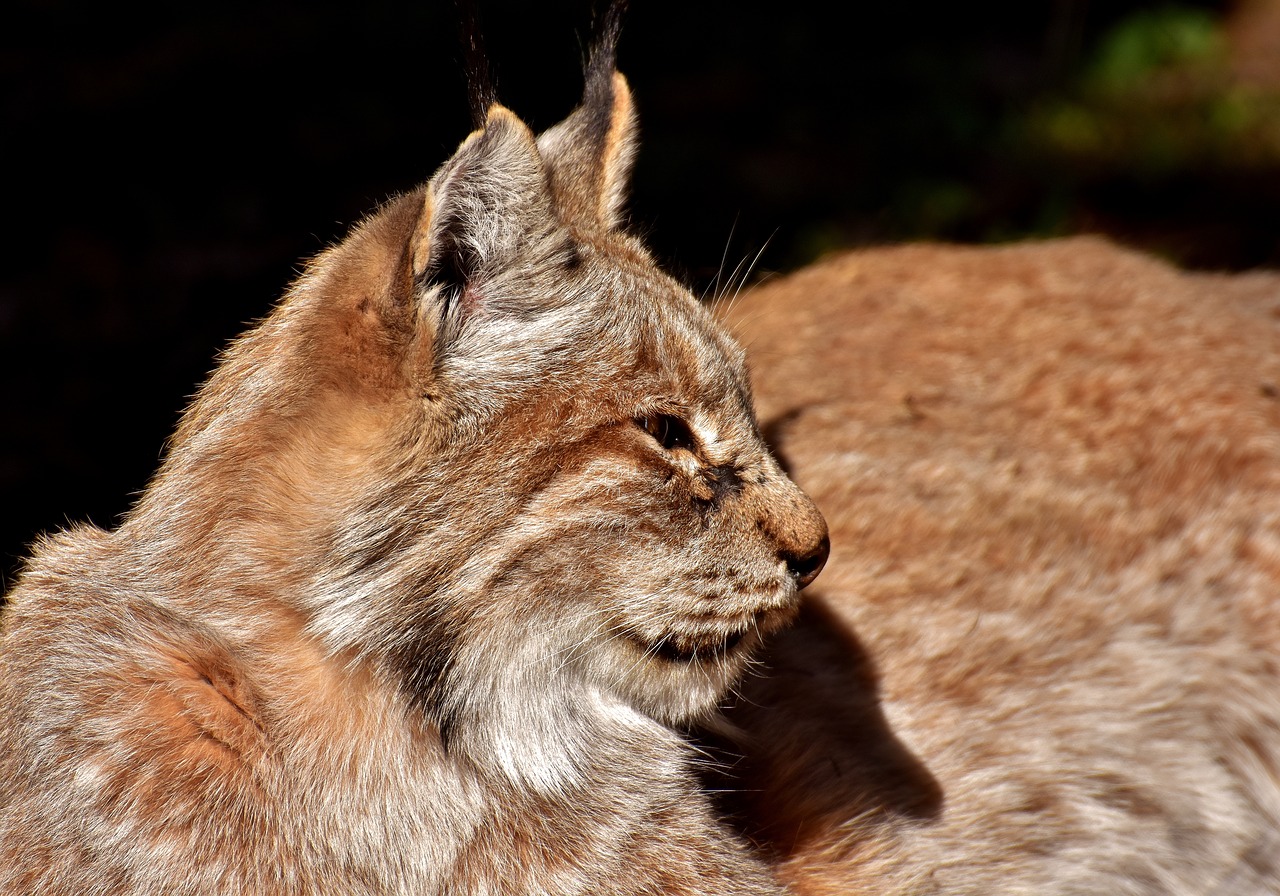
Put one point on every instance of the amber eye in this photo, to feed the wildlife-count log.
(671, 433)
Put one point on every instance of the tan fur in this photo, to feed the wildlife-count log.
(436, 559)
(1045, 655)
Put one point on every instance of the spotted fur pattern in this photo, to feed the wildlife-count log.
(437, 558)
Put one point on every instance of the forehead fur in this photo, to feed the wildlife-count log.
(579, 311)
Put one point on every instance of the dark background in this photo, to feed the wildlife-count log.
(166, 170)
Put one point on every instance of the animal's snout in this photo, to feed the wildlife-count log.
(804, 565)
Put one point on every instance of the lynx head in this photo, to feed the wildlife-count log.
(488, 447)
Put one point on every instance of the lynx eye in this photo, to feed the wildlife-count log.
(671, 433)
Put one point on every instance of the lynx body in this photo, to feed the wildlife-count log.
(435, 558)
(1045, 656)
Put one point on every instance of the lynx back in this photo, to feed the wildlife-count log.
(1044, 656)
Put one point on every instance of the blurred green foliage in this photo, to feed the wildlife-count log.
(980, 123)
(1140, 127)
(1156, 99)
(1152, 42)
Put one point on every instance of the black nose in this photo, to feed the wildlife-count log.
(804, 568)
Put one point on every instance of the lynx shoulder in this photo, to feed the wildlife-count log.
(1044, 656)
(437, 558)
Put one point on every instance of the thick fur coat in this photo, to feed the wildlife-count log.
(454, 544)
(436, 558)
(1045, 656)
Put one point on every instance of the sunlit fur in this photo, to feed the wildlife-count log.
(1045, 655)
(414, 597)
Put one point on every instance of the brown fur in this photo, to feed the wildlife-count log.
(1044, 657)
(450, 541)
(436, 557)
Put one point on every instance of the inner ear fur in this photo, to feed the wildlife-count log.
(409, 276)
(488, 201)
(485, 206)
(419, 269)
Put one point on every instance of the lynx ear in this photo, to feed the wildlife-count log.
(482, 208)
(589, 154)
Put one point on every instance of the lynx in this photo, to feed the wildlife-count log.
(1045, 655)
(439, 561)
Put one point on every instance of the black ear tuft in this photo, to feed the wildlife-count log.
(602, 61)
(482, 91)
(589, 154)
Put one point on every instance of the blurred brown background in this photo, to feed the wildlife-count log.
(165, 170)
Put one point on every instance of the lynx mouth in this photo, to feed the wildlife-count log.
(686, 649)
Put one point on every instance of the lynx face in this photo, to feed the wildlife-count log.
(569, 489)
(587, 479)
(654, 538)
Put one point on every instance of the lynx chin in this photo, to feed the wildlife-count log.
(437, 557)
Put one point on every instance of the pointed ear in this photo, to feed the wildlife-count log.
(589, 154)
(482, 208)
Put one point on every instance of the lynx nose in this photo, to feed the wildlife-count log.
(804, 567)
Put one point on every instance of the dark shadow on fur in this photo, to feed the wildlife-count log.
(816, 752)
(773, 431)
